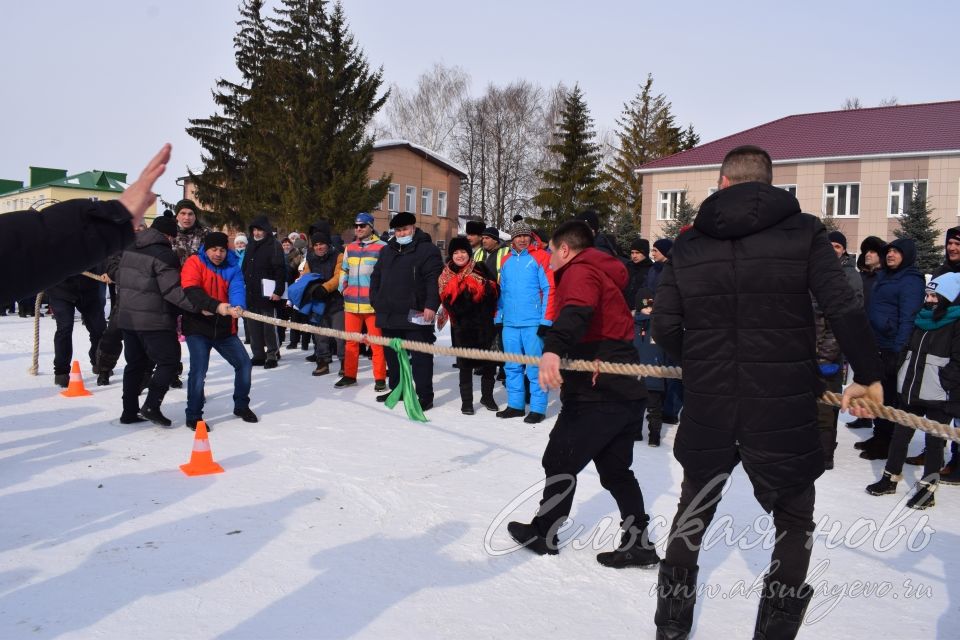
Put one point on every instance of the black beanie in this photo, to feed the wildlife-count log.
(474, 228)
(642, 245)
(215, 239)
(953, 233)
(590, 217)
(839, 238)
(166, 226)
(187, 204)
(459, 244)
(319, 237)
(664, 245)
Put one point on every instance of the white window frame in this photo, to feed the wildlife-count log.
(834, 196)
(393, 197)
(900, 194)
(426, 201)
(668, 201)
(442, 204)
(787, 188)
(410, 199)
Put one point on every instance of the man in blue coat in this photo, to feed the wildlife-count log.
(897, 297)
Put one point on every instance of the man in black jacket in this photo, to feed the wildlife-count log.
(404, 292)
(734, 306)
(39, 249)
(263, 264)
(148, 282)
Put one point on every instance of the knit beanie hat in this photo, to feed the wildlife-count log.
(319, 237)
(642, 245)
(520, 229)
(166, 226)
(953, 233)
(215, 239)
(664, 245)
(492, 232)
(590, 217)
(240, 237)
(947, 285)
(187, 204)
(839, 238)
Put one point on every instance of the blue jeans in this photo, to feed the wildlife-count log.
(233, 352)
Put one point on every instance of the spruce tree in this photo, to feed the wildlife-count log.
(290, 138)
(685, 214)
(646, 131)
(918, 224)
(575, 184)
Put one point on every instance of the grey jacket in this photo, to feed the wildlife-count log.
(148, 283)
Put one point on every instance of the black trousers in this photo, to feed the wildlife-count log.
(111, 344)
(90, 307)
(933, 446)
(488, 370)
(792, 518)
(884, 428)
(142, 347)
(603, 432)
(264, 341)
(420, 363)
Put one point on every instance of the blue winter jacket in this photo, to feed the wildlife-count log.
(896, 298)
(524, 291)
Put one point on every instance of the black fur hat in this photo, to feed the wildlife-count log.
(459, 244)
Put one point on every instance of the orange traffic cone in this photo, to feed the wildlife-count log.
(75, 389)
(201, 460)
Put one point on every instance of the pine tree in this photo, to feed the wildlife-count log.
(575, 184)
(291, 139)
(685, 214)
(917, 223)
(646, 131)
(225, 187)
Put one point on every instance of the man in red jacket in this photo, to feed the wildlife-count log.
(601, 413)
(213, 282)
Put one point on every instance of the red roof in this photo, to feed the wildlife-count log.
(912, 128)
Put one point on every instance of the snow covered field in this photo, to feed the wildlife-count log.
(338, 518)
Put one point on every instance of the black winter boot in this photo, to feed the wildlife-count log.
(486, 394)
(529, 537)
(634, 550)
(676, 597)
(466, 399)
(781, 610)
(886, 485)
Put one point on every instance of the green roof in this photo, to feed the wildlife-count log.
(41, 177)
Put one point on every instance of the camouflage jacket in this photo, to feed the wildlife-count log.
(188, 241)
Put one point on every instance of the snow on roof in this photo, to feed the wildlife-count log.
(432, 155)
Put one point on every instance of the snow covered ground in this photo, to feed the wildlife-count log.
(338, 518)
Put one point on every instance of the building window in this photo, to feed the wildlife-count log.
(393, 197)
(668, 202)
(789, 188)
(379, 204)
(841, 199)
(901, 193)
(442, 203)
(441, 244)
(410, 200)
(426, 201)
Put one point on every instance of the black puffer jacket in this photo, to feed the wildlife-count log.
(148, 283)
(405, 278)
(263, 259)
(734, 307)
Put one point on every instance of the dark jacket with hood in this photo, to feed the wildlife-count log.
(263, 259)
(148, 284)
(897, 296)
(929, 371)
(405, 278)
(637, 283)
(733, 307)
(593, 323)
(80, 233)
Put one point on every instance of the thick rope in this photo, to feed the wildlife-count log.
(947, 432)
(35, 362)
(898, 416)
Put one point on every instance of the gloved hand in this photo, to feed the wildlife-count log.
(542, 330)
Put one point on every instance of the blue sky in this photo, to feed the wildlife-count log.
(102, 84)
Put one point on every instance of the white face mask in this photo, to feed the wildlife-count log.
(405, 239)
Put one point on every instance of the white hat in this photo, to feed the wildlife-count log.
(240, 237)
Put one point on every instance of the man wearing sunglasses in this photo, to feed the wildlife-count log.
(359, 258)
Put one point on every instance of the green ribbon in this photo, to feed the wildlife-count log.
(406, 390)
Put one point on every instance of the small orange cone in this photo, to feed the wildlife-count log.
(201, 460)
(75, 389)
